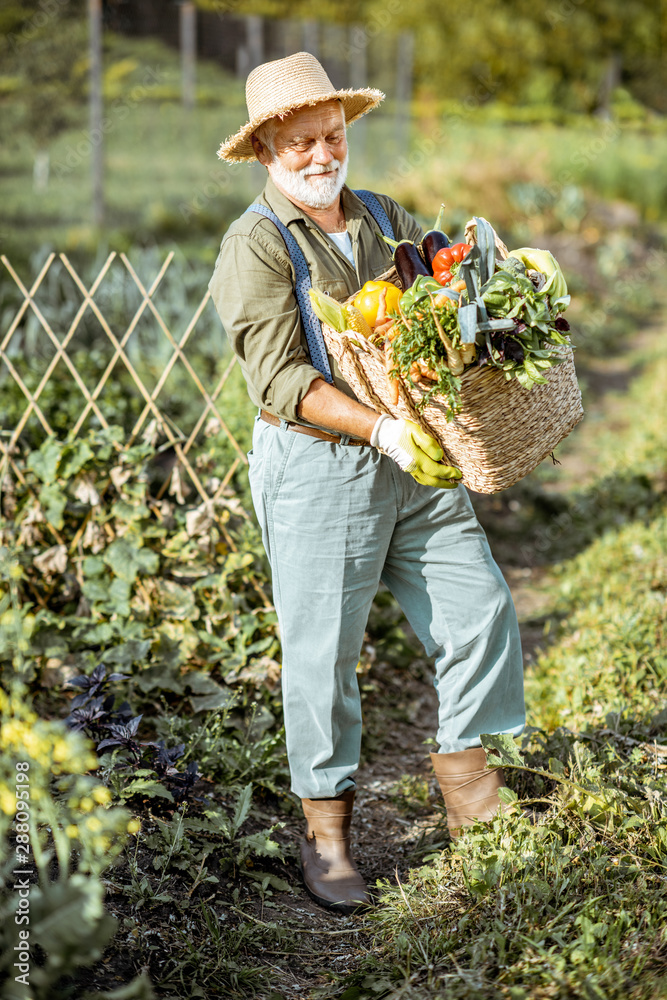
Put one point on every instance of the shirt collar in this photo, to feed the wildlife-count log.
(287, 211)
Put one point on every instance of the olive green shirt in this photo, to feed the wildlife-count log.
(253, 290)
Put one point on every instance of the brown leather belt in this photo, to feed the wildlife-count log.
(311, 431)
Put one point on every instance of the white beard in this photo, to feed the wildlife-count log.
(316, 194)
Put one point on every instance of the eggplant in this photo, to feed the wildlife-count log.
(434, 240)
(409, 264)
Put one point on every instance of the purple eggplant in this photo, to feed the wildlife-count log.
(409, 264)
(434, 240)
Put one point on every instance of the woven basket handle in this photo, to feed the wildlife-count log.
(471, 238)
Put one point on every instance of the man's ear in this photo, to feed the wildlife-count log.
(261, 152)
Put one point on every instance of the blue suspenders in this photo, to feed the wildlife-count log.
(311, 324)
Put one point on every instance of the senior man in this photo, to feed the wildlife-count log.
(346, 498)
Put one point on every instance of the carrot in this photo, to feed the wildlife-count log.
(426, 371)
(382, 308)
(392, 381)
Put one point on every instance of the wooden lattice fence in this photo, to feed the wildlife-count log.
(112, 341)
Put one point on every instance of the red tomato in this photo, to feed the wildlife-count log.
(459, 251)
(443, 258)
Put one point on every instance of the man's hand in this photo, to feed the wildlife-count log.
(414, 451)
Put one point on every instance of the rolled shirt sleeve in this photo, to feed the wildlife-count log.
(253, 290)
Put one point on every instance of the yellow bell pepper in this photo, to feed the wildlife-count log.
(367, 300)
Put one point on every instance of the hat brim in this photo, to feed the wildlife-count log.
(238, 148)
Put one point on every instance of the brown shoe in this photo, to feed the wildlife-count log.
(469, 788)
(329, 873)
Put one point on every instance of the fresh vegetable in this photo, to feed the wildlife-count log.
(409, 264)
(453, 354)
(356, 320)
(392, 377)
(544, 262)
(419, 290)
(433, 242)
(368, 300)
(490, 313)
(512, 264)
(445, 259)
(328, 310)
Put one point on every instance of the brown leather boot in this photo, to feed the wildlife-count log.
(330, 875)
(469, 789)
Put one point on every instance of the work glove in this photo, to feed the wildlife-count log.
(414, 451)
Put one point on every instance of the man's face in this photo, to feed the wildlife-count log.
(310, 155)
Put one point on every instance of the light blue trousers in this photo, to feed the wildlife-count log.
(336, 520)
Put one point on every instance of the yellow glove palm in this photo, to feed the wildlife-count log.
(414, 451)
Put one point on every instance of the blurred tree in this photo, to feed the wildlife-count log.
(569, 53)
(43, 46)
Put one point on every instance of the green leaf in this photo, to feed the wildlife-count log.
(555, 766)
(44, 463)
(146, 786)
(242, 807)
(267, 879)
(139, 989)
(75, 456)
(260, 843)
(127, 559)
(127, 653)
(507, 796)
(53, 502)
(504, 746)
(68, 920)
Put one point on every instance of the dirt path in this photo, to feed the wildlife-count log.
(387, 840)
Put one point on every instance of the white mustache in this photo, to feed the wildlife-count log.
(322, 169)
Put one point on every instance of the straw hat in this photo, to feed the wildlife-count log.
(277, 88)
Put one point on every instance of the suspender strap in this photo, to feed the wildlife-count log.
(377, 211)
(311, 324)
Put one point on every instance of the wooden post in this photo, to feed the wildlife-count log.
(254, 41)
(406, 44)
(95, 102)
(188, 32)
(310, 39)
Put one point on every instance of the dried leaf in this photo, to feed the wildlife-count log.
(200, 520)
(54, 560)
(86, 492)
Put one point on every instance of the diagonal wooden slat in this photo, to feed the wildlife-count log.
(167, 369)
(204, 413)
(60, 349)
(186, 363)
(159, 416)
(26, 298)
(126, 336)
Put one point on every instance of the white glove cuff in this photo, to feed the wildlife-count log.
(376, 436)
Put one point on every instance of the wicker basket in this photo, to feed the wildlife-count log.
(502, 431)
